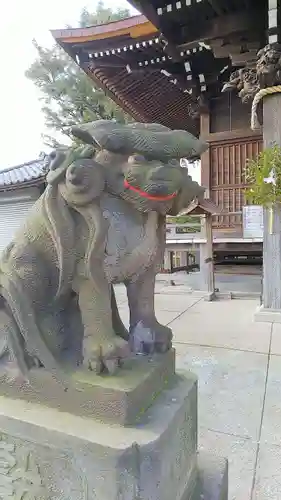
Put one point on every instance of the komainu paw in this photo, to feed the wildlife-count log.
(105, 356)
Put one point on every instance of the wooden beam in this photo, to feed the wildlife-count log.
(170, 49)
(135, 27)
(99, 64)
(240, 52)
(221, 27)
(218, 10)
(146, 8)
(117, 46)
(233, 135)
(243, 59)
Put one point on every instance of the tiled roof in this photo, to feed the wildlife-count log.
(30, 173)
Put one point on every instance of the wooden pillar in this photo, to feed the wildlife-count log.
(206, 249)
(205, 157)
(272, 222)
(206, 259)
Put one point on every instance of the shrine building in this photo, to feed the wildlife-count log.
(192, 64)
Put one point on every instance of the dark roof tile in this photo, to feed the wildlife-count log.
(29, 172)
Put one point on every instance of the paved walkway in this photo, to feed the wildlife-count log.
(238, 363)
(236, 282)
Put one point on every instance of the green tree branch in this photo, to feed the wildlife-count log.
(69, 96)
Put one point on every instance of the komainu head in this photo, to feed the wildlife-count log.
(139, 163)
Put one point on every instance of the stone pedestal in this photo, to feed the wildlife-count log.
(119, 399)
(148, 453)
(267, 315)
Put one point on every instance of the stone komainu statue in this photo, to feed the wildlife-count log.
(100, 221)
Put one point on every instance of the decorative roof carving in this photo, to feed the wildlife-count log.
(266, 73)
(245, 82)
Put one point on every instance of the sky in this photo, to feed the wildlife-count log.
(22, 122)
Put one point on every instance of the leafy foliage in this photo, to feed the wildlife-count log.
(264, 177)
(102, 15)
(69, 96)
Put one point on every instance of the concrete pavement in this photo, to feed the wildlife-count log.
(236, 282)
(238, 363)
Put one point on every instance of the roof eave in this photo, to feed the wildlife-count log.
(134, 26)
(22, 185)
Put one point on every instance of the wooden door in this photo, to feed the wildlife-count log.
(227, 177)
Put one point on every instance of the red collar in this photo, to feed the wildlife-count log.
(143, 194)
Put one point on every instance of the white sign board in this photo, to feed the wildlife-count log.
(253, 221)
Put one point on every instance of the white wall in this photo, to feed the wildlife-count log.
(14, 207)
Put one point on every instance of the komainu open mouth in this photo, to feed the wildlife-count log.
(143, 194)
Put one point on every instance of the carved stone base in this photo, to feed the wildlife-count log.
(51, 454)
(119, 399)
